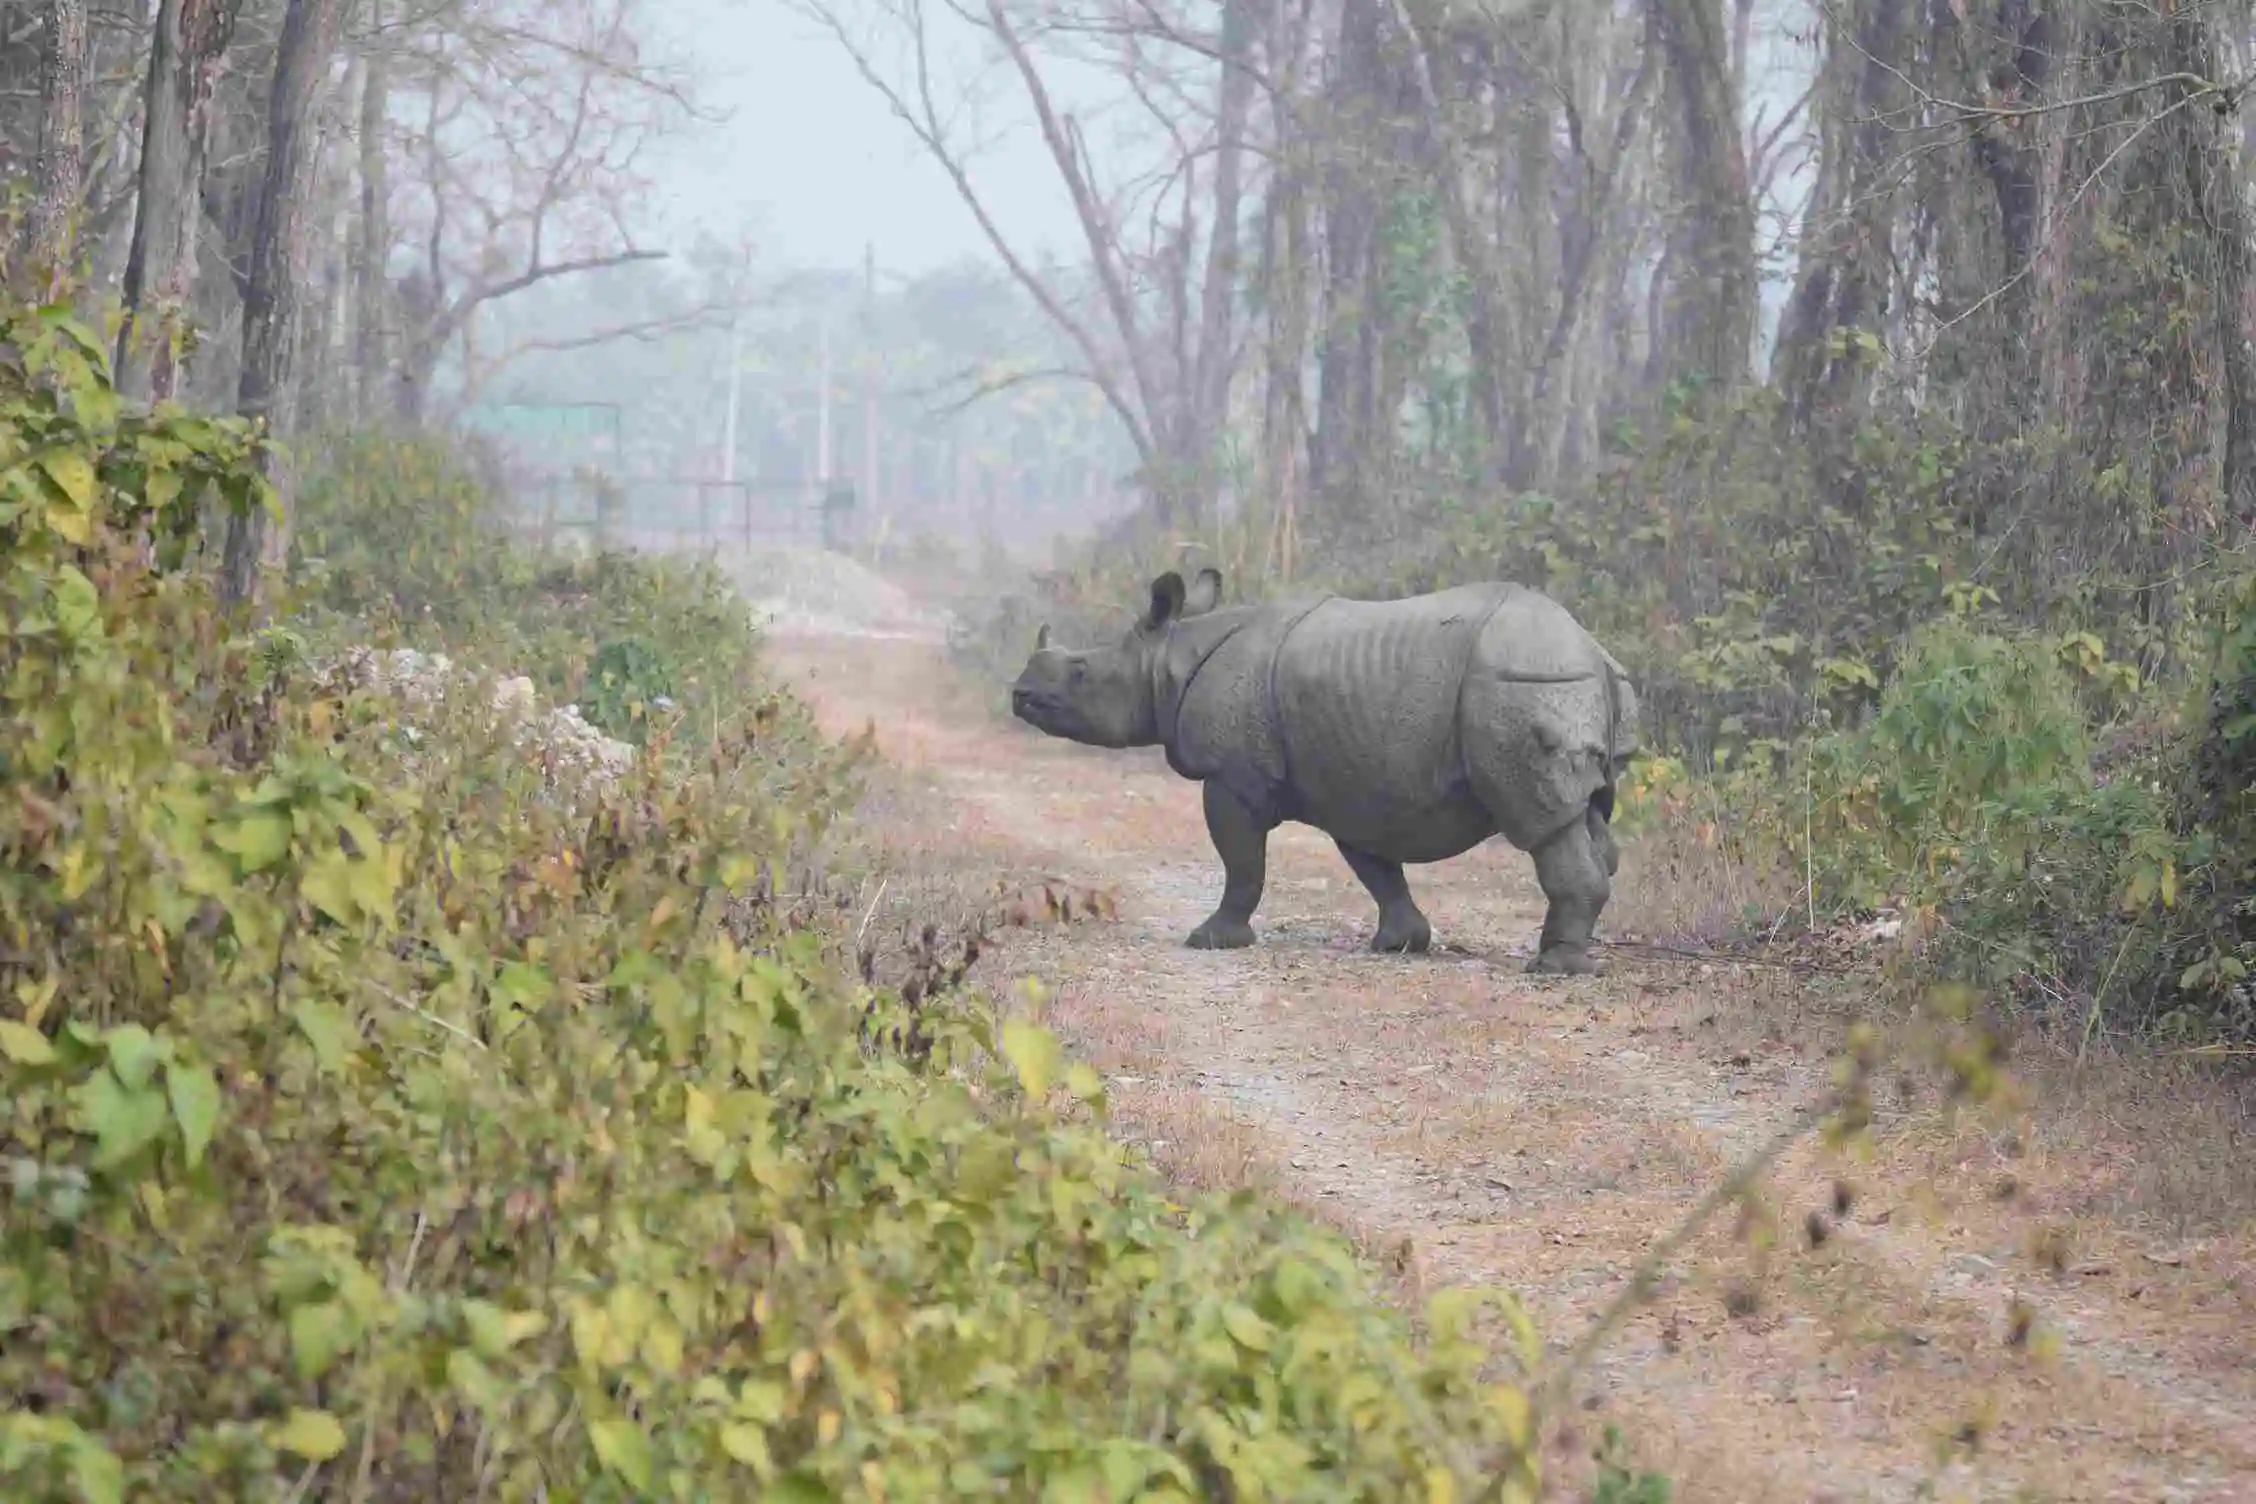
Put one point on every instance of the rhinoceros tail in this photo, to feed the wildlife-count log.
(1603, 800)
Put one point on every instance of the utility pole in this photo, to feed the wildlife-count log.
(735, 370)
(869, 499)
(822, 408)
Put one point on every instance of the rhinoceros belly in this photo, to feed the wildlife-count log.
(1367, 704)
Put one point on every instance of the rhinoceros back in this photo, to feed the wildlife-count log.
(1367, 701)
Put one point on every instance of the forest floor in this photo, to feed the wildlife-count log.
(1470, 1124)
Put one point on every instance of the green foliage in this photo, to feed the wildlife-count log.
(75, 455)
(1619, 1482)
(402, 532)
(629, 682)
(2216, 956)
(1970, 790)
(395, 1124)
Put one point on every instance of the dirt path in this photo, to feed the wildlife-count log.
(1481, 1126)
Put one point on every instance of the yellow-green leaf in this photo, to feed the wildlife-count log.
(77, 605)
(195, 1106)
(328, 886)
(311, 1434)
(762, 1400)
(662, 1347)
(320, 1332)
(161, 488)
(257, 841)
(123, 1122)
(134, 1053)
(1035, 1054)
(97, 1472)
(747, 1444)
(473, 1380)
(591, 1335)
(494, 1331)
(23, 1044)
(328, 1030)
(1085, 1084)
(1246, 1327)
(621, 1447)
(1519, 1418)
(73, 475)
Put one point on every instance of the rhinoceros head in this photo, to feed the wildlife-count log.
(1102, 696)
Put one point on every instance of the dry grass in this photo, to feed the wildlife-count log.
(1683, 883)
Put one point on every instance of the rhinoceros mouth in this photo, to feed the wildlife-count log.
(1048, 714)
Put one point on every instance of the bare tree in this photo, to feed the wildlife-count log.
(523, 167)
(1163, 342)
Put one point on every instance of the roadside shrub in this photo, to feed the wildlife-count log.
(2212, 965)
(1967, 798)
(1971, 792)
(400, 532)
(397, 1126)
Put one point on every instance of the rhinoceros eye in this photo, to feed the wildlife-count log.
(1078, 671)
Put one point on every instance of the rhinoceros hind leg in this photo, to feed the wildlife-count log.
(1241, 839)
(1402, 928)
(1602, 835)
(1572, 871)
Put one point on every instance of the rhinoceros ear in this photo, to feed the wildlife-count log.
(1042, 637)
(1166, 601)
(1205, 593)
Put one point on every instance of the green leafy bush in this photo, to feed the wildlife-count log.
(402, 534)
(1971, 791)
(397, 1126)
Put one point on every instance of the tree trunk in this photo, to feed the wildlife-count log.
(372, 238)
(2214, 187)
(270, 308)
(1348, 351)
(1712, 293)
(1216, 356)
(1284, 417)
(45, 252)
(1585, 245)
(1843, 277)
(160, 269)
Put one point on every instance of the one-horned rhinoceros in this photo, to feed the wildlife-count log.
(1408, 731)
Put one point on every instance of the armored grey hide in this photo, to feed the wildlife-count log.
(1409, 731)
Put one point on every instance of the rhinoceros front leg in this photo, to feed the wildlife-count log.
(1241, 839)
(1401, 926)
(1572, 870)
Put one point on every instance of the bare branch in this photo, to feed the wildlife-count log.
(924, 123)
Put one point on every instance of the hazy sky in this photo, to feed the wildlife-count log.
(814, 161)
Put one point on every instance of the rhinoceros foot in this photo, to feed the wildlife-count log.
(1221, 933)
(1563, 961)
(1403, 934)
